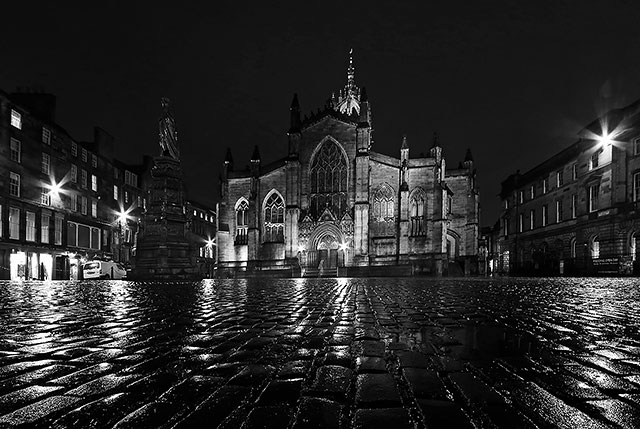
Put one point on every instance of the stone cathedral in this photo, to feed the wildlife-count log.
(334, 202)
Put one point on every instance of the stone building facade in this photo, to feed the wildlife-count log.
(334, 202)
(579, 211)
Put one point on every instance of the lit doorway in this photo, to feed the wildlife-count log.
(18, 265)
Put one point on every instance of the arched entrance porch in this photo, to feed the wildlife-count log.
(325, 248)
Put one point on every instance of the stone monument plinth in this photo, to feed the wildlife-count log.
(163, 251)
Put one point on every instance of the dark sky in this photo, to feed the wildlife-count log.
(512, 80)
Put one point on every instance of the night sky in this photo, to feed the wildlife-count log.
(513, 80)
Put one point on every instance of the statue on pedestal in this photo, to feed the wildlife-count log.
(164, 251)
(168, 132)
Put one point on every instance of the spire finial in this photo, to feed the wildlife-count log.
(350, 71)
(468, 156)
(436, 139)
(228, 159)
(256, 154)
(405, 145)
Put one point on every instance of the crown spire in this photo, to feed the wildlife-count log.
(349, 99)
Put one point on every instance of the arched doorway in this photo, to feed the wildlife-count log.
(327, 250)
(324, 246)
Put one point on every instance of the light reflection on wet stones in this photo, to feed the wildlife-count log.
(321, 353)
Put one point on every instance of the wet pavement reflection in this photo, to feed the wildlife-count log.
(321, 353)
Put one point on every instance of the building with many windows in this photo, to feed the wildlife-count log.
(579, 211)
(57, 207)
(334, 202)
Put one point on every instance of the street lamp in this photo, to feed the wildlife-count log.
(605, 139)
(122, 218)
(344, 246)
(55, 189)
(210, 243)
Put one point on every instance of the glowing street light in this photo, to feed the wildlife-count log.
(123, 216)
(301, 248)
(605, 139)
(344, 246)
(55, 189)
(211, 242)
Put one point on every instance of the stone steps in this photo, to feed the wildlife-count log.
(326, 272)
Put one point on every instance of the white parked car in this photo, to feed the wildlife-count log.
(103, 270)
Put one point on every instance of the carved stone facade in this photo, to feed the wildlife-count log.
(345, 205)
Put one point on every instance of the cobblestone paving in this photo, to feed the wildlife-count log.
(361, 353)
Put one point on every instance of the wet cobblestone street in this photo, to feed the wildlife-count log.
(508, 353)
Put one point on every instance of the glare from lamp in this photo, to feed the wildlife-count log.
(123, 215)
(54, 188)
(344, 246)
(605, 140)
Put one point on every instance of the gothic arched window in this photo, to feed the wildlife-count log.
(383, 214)
(328, 179)
(416, 212)
(242, 221)
(274, 219)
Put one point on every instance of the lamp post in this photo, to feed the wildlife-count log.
(123, 216)
(211, 242)
(344, 246)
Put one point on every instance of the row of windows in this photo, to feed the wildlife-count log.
(130, 178)
(80, 203)
(204, 216)
(592, 206)
(84, 178)
(84, 155)
(592, 191)
(559, 180)
(30, 226)
(84, 236)
(595, 161)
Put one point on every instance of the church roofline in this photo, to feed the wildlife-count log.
(328, 112)
(264, 169)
